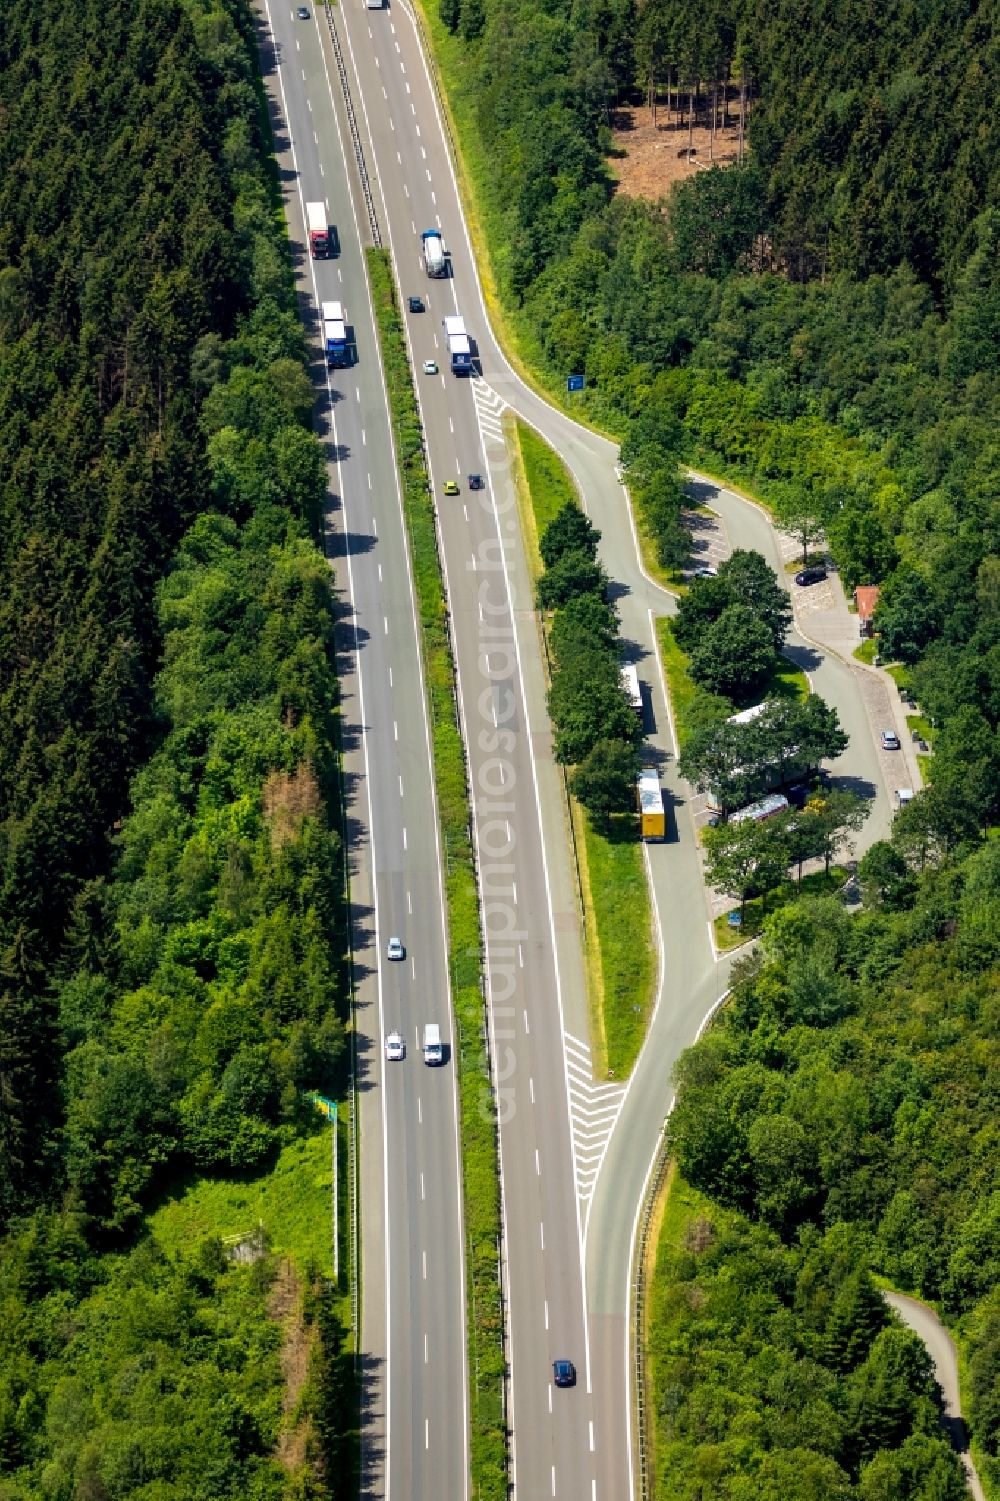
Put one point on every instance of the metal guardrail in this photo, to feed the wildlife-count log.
(642, 1443)
(352, 123)
(354, 1253)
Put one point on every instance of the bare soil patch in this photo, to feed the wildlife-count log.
(285, 1308)
(657, 155)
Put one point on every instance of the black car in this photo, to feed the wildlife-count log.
(416, 304)
(302, 13)
(475, 481)
(810, 575)
(564, 1373)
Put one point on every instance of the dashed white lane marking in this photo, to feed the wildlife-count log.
(593, 1112)
(322, 170)
(395, 730)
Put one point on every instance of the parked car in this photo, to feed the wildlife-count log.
(564, 1373)
(430, 367)
(806, 576)
(890, 740)
(395, 949)
(475, 481)
(706, 571)
(451, 487)
(395, 1048)
(416, 304)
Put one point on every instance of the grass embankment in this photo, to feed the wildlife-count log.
(478, 1121)
(614, 891)
(786, 681)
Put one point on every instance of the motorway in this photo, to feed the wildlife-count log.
(413, 1311)
(574, 1152)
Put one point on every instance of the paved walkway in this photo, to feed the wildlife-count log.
(941, 1348)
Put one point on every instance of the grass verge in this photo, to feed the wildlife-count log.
(613, 886)
(819, 883)
(291, 1202)
(481, 1189)
(622, 988)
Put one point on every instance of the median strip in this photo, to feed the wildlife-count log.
(480, 1180)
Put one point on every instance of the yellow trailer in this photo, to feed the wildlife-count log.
(651, 814)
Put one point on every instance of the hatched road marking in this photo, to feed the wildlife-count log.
(593, 1111)
(489, 409)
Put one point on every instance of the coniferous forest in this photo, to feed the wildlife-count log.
(172, 917)
(821, 323)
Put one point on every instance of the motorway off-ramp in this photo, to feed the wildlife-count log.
(568, 1254)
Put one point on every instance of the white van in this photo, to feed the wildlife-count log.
(433, 1051)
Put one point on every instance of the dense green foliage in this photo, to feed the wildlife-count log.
(596, 730)
(739, 762)
(777, 1374)
(172, 916)
(865, 398)
(480, 1172)
(852, 1082)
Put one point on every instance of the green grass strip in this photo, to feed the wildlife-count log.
(478, 1118)
(614, 890)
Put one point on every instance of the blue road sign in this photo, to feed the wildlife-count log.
(574, 382)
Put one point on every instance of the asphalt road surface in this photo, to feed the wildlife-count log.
(413, 1313)
(574, 1154)
(941, 1348)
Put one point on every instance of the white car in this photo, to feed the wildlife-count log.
(395, 1048)
(395, 949)
(430, 367)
